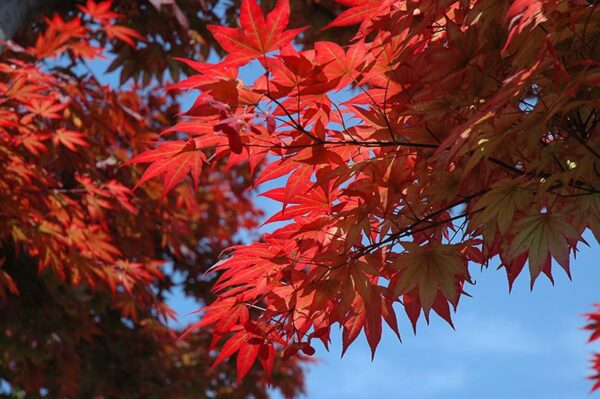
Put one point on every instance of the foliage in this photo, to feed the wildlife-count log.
(178, 28)
(86, 265)
(594, 327)
(444, 134)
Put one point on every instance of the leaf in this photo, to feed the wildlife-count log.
(358, 12)
(56, 38)
(521, 14)
(245, 359)
(373, 320)
(274, 170)
(500, 204)
(123, 33)
(428, 269)
(69, 139)
(541, 236)
(593, 324)
(173, 160)
(214, 312)
(7, 285)
(352, 328)
(34, 143)
(514, 268)
(340, 64)
(412, 307)
(389, 315)
(297, 183)
(312, 201)
(258, 35)
(238, 315)
(99, 11)
(46, 108)
(231, 346)
(266, 355)
(231, 127)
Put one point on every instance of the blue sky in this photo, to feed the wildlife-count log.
(519, 345)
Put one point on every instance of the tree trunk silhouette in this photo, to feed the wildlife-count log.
(15, 13)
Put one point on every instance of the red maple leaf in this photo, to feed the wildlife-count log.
(122, 33)
(258, 35)
(99, 11)
(173, 159)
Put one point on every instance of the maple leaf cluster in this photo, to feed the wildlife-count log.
(175, 28)
(444, 134)
(86, 265)
(57, 201)
(594, 327)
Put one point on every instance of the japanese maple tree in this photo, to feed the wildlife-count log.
(444, 135)
(86, 265)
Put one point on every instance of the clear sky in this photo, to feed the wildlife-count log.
(519, 345)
